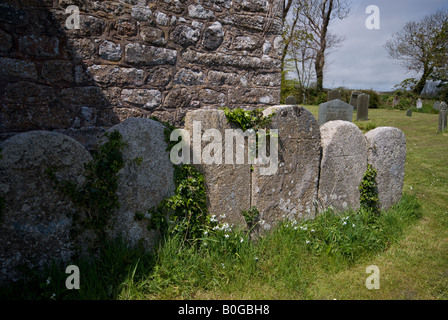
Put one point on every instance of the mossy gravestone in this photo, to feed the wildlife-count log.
(144, 181)
(36, 221)
(386, 152)
(362, 111)
(335, 110)
(344, 161)
(289, 192)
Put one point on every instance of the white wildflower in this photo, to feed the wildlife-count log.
(307, 241)
(48, 280)
(226, 235)
(241, 240)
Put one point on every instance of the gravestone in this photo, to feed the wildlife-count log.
(334, 94)
(409, 113)
(386, 152)
(344, 161)
(442, 117)
(141, 185)
(354, 99)
(290, 191)
(436, 105)
(335, 110)
(419, 103)
(396, 101)
(36, 222)
(362, 111)
(227, 185)
(291, 100)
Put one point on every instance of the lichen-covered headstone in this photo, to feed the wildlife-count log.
(290, 191)
(227, 184)
(419, 103)
(362, 111)
(354, 99)
(335, 110)
(387, 154)
(291, 100)
(442, 117)
(344, 161)
(144, 181)
(334, 94)
(35, 225)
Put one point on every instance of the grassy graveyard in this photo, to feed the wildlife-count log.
(321, 259)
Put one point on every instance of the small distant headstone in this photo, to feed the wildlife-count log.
(354, 99)
(436, 106)
(291, 100)
(396, 101)
(409, 113)
(419, 103)
(334, 94)
(362, 112)
(335, 110)
(442, 117)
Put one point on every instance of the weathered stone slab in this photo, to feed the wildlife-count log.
(344, 161)
(35, 226)
(436, 105)
(141, 185)
(335, 110)
(409, 113)
(291, 190)
(354, 99)
(227, 185)
(291, 100)
(362, 111)
(419, 103)
(442, 117)
(387, 154)
(333, 95)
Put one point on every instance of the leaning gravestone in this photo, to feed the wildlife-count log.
(335, 110)
(387, 154)
(35, 225)
(442, 117)
(344, 161)
(291, 100)
(362, 111)
(419, 103)
(144, 181)
(290, 191)
(409, 113)
(354, 99)
(227, 185)
(436, 105)
(334, 94)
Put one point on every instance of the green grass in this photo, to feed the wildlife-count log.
(320, 259)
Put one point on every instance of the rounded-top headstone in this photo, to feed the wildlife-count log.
(144, 181)
(291, 100)
(35, 225)
(344, 161)
(387, 154)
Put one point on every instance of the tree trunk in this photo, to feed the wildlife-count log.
(319, 68)
(421, 83)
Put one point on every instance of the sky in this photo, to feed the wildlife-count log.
(361, 61)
